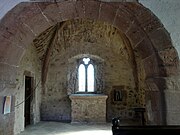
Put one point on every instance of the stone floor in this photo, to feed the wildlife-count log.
(57, 128)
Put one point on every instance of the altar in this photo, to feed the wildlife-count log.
(88, 108)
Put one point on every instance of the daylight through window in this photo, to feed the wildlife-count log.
(86, 75)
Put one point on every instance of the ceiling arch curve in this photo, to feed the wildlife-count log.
(145, 32)
(147, 36)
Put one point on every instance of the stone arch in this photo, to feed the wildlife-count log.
(147, 36)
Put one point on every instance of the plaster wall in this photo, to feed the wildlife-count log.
(29, 66)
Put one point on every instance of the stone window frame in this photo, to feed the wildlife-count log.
(79, 62)
(72, 76)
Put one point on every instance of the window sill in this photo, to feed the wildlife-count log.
(87, 95)
(85, 92)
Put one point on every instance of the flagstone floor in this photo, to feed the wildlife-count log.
(58, 128)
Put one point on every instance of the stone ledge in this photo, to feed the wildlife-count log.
(82, 96)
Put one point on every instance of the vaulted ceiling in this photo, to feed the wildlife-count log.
(63, 35)
(58, 38)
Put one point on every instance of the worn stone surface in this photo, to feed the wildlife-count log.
(70, 14)
(124, 19)
(136, 33)
(29, 66)
(144, 48)
(151, 66)
(108, 12)
(170, 62)
(160, 37)
(168, 12)
(121, 22)
(6, 120)
(7, 123)
(22, 24)
(154, 107)
(88, 108)
(172, 99)
(62, 128)
(92, 39)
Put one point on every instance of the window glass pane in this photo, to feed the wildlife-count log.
(81, 72)
(90, 78)
(86, 60)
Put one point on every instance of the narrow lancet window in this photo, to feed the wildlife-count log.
(90, 78)
(82, 78)
(86, 76)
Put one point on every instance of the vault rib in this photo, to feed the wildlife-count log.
(49, 49)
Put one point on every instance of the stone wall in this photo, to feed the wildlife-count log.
(13, 123)
(29, 66)
(5, 5)
(6, 120)
(96, 40)
(88, 108)
(161, 9)
(168, 12)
